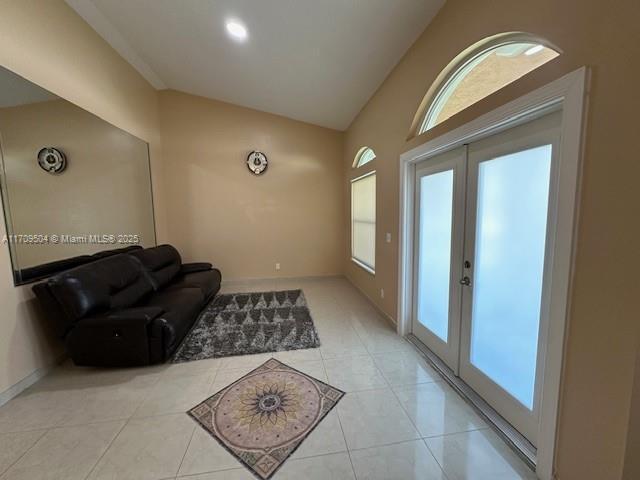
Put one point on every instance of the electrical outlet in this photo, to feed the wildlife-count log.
(382, 293)
(388, 237)
(277, 266)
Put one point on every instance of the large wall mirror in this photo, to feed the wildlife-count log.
(73, 185)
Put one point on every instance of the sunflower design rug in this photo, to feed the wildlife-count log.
(263, 417)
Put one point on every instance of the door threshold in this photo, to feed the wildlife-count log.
(514, 439)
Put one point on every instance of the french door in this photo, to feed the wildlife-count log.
(439, 228)
(484, 223)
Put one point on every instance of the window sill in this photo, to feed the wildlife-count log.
(364, 266)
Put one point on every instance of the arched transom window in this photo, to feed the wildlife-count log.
(364, 155)
(482, 70)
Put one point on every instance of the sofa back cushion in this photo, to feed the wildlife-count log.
(51, 268)
(114, 282)
(162, 264)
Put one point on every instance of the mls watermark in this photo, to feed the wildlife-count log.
(72, 239)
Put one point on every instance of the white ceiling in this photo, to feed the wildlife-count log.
(318, 61)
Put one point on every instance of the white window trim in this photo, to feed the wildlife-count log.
(360, 263)
(570, 94)
(439, 91)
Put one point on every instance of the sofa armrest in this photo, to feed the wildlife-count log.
(186, 268)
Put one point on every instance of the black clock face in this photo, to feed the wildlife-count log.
(257, 162)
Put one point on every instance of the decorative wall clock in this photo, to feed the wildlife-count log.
(52, 160)
(257, 162)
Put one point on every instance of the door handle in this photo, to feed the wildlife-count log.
(465, 281)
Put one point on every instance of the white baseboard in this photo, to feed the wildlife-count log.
(388, 317)
(236, 281)
(16, 389)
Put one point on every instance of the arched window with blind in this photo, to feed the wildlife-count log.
(363, 213)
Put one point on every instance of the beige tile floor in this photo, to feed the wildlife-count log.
(399, 419)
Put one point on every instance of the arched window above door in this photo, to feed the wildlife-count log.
(364, 155)
(481, 70)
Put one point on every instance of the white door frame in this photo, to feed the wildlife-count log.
(569, 94)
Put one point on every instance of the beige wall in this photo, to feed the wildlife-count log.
(47, 43)
(219, 212)
(603, 329)
(632, 460)
(107, 167)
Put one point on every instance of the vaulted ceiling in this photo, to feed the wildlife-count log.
(318, 61)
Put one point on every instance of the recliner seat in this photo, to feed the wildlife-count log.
(128, 309)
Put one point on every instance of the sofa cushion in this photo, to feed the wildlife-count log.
(181, 308)
(208, 281)
(118, 281)
(162, 264)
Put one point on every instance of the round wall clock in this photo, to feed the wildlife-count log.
(52, 160)
(257, 162)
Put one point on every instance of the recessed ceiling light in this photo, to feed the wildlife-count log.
(237, 30)
(535, 49)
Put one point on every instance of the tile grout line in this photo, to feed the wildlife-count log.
(44, 432)
(449, 434)
(370, 356)
(353, 470)
(422, 439)
(127, 421)
(211, 372)
(146, 396)
(390, 387)
(434, 457)
(399, 442)
(184, 455)
(342, 312)
(307, 457)
(107, 449)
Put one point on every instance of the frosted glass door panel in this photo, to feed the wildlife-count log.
(434, 271)
(438, 251)
(511, 227)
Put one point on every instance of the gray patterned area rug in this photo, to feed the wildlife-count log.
(246, 323)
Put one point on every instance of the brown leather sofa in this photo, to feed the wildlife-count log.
(128, 309)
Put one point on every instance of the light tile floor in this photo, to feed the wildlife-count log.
(399, 419)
